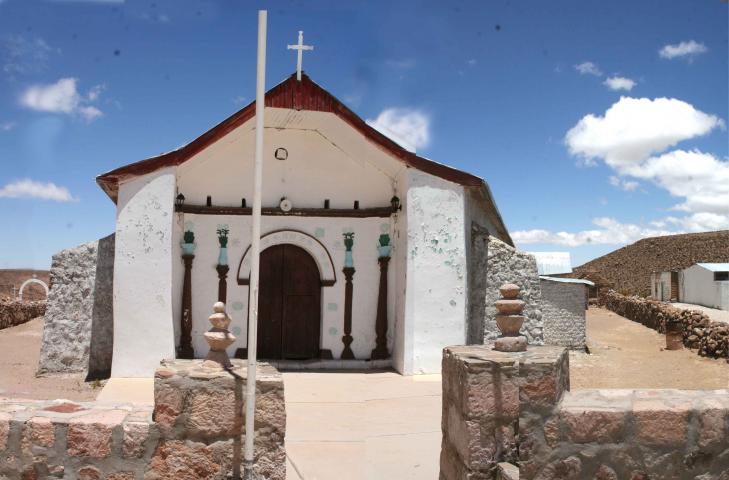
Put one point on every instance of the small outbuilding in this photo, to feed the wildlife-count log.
(564, 302)
(705, 284)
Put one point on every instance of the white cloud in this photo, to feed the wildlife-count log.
(410, 128)
(7, 126)
(403, 64)
(28, 188)
(619, 83)
(627, 185)
(62, 97)
(631, 138)
(682, 50)
(610, 232)
(21, 55)
(634, 128)
(700, 179)
(471, 62)
(588, 68)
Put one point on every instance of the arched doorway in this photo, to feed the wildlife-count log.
(289, 309)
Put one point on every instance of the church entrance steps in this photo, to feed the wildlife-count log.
(321, 364)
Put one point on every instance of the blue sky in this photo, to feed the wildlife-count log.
(595, 123)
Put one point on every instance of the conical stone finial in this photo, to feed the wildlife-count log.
(218, 337)
(509, 320)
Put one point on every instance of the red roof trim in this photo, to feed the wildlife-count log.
(304, 95)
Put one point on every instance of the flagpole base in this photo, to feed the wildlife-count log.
(248, 473)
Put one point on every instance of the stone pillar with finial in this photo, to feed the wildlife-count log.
(509, 320)
(218, 337)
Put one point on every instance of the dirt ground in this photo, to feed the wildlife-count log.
(19, 352)
(625, 354)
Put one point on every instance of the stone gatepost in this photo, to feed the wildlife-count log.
(494, 401)
(199, 409)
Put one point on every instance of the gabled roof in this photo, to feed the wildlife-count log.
(303, 95)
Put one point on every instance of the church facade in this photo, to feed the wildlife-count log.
(368, 250)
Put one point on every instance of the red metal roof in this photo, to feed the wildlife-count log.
(304, 95)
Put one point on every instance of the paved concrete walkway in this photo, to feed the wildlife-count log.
(368, 426)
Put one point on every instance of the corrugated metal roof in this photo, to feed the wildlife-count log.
(553, 263)
(567, 280)
(715, 267)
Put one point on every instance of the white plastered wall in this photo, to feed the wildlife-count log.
(143, 275)
(699, 287)
(327, 159)
(435, 310)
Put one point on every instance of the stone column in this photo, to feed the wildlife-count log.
(185, 349)
(347, 353)
(222, 282)
(380, 352)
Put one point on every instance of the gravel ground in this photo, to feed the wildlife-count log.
(625, 354)
(713, 313)
(19, 352)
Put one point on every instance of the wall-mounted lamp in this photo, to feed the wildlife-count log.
(326, 203)
(395, 203)
(356, 204)
(180, 200)
(209, 201)
(243, 203)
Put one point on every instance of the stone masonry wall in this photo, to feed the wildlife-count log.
(15, 312)
(710, 338)
(516, 407)
(195, 431)
(563, 313)
(79, 304)
(507, 265)
(485, 394)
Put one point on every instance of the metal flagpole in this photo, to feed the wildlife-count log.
(255, 252)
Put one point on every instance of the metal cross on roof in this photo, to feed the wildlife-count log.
(300, 47)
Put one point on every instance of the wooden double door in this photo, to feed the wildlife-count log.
(289, 305)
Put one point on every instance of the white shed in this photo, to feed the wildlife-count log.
(706, 284)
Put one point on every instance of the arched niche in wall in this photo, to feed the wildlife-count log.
(293, 237)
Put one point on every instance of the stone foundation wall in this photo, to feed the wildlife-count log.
(194, 431)
(505, 264)
(15, 312)
(516, 408)
(710, 338)
(78, 329)
(563, 313)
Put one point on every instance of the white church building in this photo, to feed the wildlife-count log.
(362, 240)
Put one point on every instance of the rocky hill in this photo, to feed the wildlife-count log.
(628, 269)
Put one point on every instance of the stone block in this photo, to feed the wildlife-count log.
(90, 473)
(183, 460)
(658, 424)
(38, 431)
(213, 413)
(586, 426)
(4, 430)
(134, 439)
(91, 435)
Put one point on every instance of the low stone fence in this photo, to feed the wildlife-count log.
(15, 312)
(194, 430)
(698, 330)
(517, 408)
